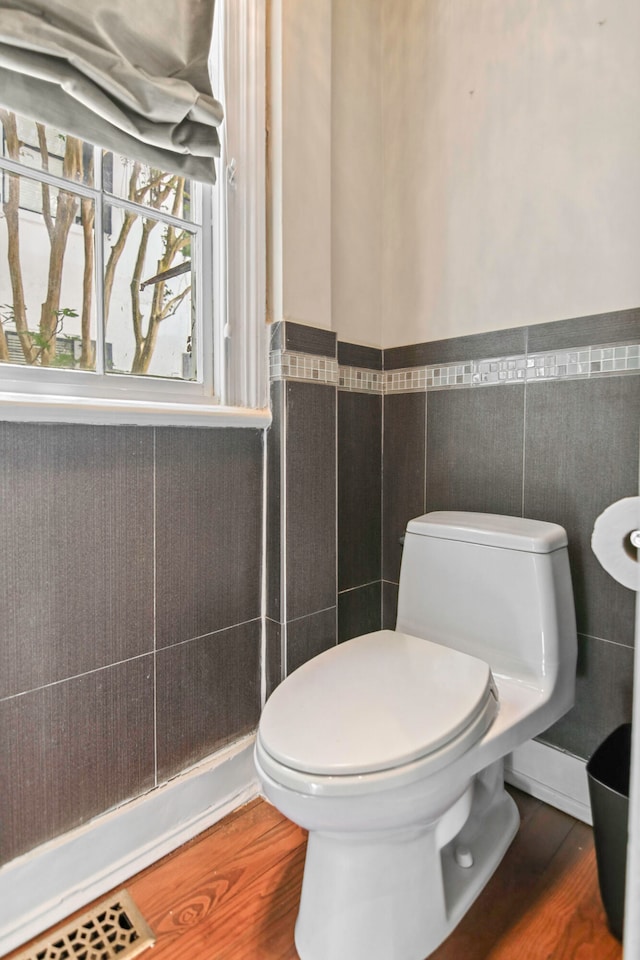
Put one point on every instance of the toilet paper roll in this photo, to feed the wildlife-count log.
(614, 541)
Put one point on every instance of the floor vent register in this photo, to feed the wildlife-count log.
(112, 929)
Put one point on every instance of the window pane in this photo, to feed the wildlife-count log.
(149, 300)
(157, 189)
(41, 147)
(47, 297)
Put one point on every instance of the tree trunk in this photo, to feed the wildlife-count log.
(118, 247)
(136, 313)
(11, 209)
(87, 358)
(66, 211)
(174, 241)
(4, 346)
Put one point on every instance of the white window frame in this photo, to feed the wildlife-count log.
(236, 282)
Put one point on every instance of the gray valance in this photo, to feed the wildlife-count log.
(129, 75)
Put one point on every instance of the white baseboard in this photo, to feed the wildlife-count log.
(550, 775)
(47, 884)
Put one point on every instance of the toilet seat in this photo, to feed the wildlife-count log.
(376, 703)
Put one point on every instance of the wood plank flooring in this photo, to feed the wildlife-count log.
(232, 894)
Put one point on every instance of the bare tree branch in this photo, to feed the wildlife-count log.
(183, 267)
(136, 313)
(172, 305)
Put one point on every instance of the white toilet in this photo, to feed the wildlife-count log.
(389, 748)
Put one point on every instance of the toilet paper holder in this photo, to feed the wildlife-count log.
(616, 539)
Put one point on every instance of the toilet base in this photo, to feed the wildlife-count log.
(396, 895)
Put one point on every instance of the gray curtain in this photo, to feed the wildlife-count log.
(128, 75)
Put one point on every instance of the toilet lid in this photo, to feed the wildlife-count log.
(376, 702)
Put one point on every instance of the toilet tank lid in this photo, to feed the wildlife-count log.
(492, 530)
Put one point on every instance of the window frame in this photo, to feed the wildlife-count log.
(232, 352)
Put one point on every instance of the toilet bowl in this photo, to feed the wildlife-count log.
(388, 748)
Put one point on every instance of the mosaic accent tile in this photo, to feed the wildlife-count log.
(589, 361)
(361, 380)
(584, 362)
(499, 370)
(285, 365)
(561, 364)
(406, 381)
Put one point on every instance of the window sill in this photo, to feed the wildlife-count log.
(36, 408)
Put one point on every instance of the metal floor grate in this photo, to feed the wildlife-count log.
(112, 929)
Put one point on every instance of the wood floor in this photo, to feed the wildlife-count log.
(232, 893)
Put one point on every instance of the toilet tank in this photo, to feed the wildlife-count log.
(498, 588)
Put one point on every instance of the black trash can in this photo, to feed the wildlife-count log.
(608, 773)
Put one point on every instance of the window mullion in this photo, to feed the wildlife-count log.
(204, 289)
(152, 213)
(98, 241)
(82, 190)
(42, 176)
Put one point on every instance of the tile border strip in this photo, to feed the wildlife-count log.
(565, 364)
(290, 365)
(361, 380)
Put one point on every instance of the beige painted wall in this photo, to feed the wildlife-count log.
(445, 167)
(357, 170)
(300, 162)
(512, 159)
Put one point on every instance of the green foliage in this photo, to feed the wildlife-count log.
(40, 340)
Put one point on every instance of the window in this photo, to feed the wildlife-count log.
(125, 289)
(100, 261)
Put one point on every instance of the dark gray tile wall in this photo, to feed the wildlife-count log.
(300, 338)
(389, 605)
(104, 530)
(275, 468)
(355, 355)
(76, 577)
(617, 327)
(208, 530)
(559, 451)
(273, 663)
(359, 489)
(359, 611)
(359, 512)
(500, 343)
(310, 498)
(309, 636)
(107, 531)
(301, 510)
(474, 450)
(604, 695)
(581, 454)
(207, 694)
(73, 749)
(403, 473)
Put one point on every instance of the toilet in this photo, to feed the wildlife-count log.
(389, 748)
